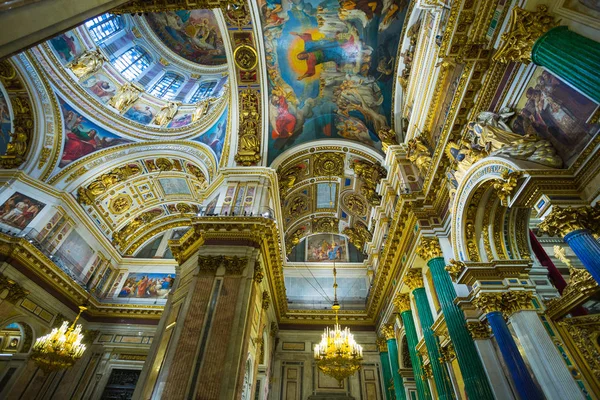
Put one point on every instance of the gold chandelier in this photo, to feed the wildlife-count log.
(338, 355)
(61, 348)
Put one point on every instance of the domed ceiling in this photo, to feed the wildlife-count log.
(194, 35)
(330, 67)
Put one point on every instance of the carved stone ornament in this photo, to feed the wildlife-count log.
(266, 300)
(388, 137)
(289, 177)
(358, 235)
(258, 273)
(414, 278)
(293, 239)
(166, 113)
(388, 331)
(506, 302)
(87, 63)
(505, 186)
(447, 354)
(88, 195)
(479, 329)
(274, 329)
(233, 264)
(325, 225)
(429, 248)
(419, 155)
(402, 302)
(328, 164)
(120, 238)
(355, 205)
(561, 220)
(15, 292)
(488, 302)
(525, 27)
(455, 268)
(248, 152)
(125, 97)
(371, 174)
(120, 204)
(245, 57)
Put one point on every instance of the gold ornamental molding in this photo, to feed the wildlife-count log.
(562, 221)
(429, 248)
(154, 6)
(249, 141)
(245, 57)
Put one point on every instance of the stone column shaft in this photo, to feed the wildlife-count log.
(440, 372)
(387, 374)
(525, 385)
(547, 364)
(393, 356)
(417, 364)
(476, 383)
(587, 249)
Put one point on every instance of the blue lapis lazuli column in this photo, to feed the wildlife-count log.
(587, 249)
(521, 377)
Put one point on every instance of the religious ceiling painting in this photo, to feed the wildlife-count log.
(19, 210)
(5, 120)
(330, 67)
(74, 253)
(192, 34)
(83, 137)
(67, 46)
(141, 112)
(172, 186)
(553, 110)
(326, 248)
(100, 86)
(147, 285)
(215, 136)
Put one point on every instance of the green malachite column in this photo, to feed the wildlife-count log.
(476, 382)
(388, 332)
(387, 370)
(441, 378)
(402, 302)
(572, 57)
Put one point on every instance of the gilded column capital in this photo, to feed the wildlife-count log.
(388, 332)
(447, 354)
(402, 302)
(515, 301)
(525, 27)
(455, 268)
(382, 345)
(562, 221)
(15, 291)
(233, 264)
(489, 302)
(414, 279)
(428, 371)
(479, 329)
(266, 300)
(429, 248)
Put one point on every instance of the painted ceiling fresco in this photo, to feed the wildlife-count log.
(330, 67)
(194, 35)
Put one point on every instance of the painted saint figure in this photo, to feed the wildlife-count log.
(322, 51)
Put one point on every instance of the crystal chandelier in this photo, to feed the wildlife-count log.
(60, 348)
(338, 355)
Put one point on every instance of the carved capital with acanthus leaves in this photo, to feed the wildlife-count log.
(414, 279)
(402, 302)
(429, 248)
(525, 27)
(15, 292)
(233, 264)
(506, 302)
(479, 329)
(489, 302)
(388, 332)
(382, 345)
(455, 268)
(447, 353)
(562, 221)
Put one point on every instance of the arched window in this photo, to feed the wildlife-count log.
(167, 86)
(104, 26)
(204, 90)
(133, 62)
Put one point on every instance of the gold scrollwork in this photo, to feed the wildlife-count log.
(355, 205)
(478, 329)
(120, 204)
(88, 195)
(565, 220)
(358, 234)
(120, 237)
(245, 57)
(325, 225)
(233, 264)
(505, 185)
(370, 174)
(455, 268)
(266, 300)
(249, 133)
(328, 164)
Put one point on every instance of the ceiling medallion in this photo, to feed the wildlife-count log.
(245, 57)
(120, 204)
(329, 164)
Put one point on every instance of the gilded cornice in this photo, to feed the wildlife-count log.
(29, 257)
(471, 272)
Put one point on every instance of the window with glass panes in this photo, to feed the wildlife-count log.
(104, 26)
(167, 86)
(204, 90)
(133, 62)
